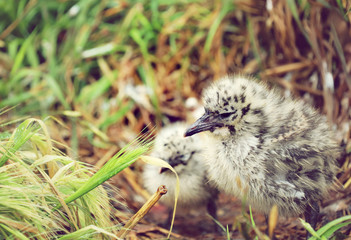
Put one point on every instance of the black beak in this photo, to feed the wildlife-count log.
(204, 123)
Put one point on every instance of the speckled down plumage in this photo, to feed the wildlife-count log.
(186, 156)
(273, 149)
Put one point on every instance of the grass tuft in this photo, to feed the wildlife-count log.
(37, 177)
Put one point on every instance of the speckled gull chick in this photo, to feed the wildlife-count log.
(273, 149)
(186, 156)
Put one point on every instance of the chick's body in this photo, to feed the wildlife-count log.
(185, 155)
(274, 150)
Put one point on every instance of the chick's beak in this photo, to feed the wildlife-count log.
(204, 123)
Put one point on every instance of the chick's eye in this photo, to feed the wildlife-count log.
(184, 157)
(225, 115)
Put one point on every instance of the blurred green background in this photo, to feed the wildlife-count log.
(91, 56)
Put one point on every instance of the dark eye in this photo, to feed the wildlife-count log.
(225, 115)
(184, 157)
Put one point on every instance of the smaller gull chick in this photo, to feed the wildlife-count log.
(274, 150)
(185, 155)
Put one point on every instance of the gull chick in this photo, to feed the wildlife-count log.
(272, 149)
(185, 155)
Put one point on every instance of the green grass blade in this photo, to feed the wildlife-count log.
(20, 75)
(253, 41)
(147, 76)
(333, 229)
(156, 21)
(228, 233)
(12, 48)
(227, 7)
(293, 9)
(343, 10)
(18, 61)
(93, 91)
(115, 117)
(105, 49)
(218, 223)
(328, 229)
(251, 217)
(22, 134)
(324, 3)
(19, 98)
(82, 38)
(17, 234)
(308, 227)
(252, 220)
(135, 34)
(56, 89)
(86, 233)
(117, 163)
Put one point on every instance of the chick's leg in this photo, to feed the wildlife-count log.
(311, 216)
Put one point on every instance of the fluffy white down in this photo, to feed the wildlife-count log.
(194, 188)
(271, 149)
(220, 167)
(192, 191)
